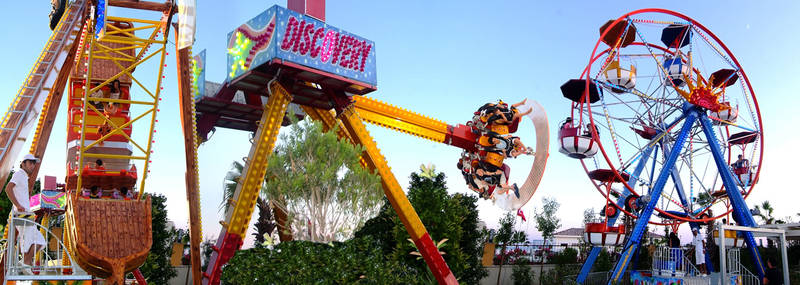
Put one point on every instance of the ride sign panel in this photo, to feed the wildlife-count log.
(282, 34)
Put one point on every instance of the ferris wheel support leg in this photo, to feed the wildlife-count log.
(632, 245)
(587, 265)
(676, 179)
(741, 213)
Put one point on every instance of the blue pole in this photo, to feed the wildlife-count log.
(644, 217)
(587, 265)
(741, 213)
(652, 145)
(676, 179)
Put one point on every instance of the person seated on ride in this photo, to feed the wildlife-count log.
(114, 90)
(503, 115)
(492, 175)
(96, 193)
(466, 172)
(518, 148)
(99, 94)
(588, 131)
(741, 163)
(567, 123)
(86, 193)
(503, 145)
(125, 194)
(98, 164)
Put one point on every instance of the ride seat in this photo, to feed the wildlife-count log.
(574, 145)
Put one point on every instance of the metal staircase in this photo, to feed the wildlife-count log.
(49, 266)
(24, 110)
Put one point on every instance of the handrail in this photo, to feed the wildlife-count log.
(50, 268)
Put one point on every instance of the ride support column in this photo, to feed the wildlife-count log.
(190, 142)
(741, 213)
(247, 191)
(644, 217)
(355, 127)
(590, 260)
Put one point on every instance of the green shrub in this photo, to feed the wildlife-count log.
(358, 260)
(567, 256)
(603, 261)
(521, 274)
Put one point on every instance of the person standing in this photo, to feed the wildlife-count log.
(699, 251)
(773, 276)
(18, 192)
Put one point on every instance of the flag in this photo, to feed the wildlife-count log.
(186, 23)
(521, 215)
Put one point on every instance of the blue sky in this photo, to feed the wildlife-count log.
(444, 59)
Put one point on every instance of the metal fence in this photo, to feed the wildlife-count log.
(596, 278)
(672, 262)
(536, 253)
(47, 263)
(737, 271)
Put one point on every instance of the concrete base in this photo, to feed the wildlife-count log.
(505, 273)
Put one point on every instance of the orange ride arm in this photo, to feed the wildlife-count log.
(244, 198)
(353, 123)
(328, 119)
(189, 127)
(389, 116)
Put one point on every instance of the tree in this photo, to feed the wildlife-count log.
(265, 223)
(452, 217)
(206, 249)
(588, 216)
(765, 213)
(157, 269)
(546, 221)
(505, 235)
(5, 203)
(229, 185)
(318, 180)
(703, 199)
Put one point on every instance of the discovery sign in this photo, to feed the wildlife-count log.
(283, 34)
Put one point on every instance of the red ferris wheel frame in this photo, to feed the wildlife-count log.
(586, 75)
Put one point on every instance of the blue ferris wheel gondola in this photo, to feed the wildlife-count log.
(676, 70)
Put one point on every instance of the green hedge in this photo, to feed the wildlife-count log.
(358, 260)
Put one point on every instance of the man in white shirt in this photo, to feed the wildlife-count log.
(18, 192)
(699, 251)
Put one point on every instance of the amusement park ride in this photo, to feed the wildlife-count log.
(289, 56)
(667, 128)
(94, 56)
(293, 56)
(666, 125)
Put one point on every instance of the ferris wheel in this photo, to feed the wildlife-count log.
(643, 76)
(666, 125)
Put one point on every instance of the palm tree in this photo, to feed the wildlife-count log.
(703, 199)
(265, 224)
(766, 214)
(229, 185)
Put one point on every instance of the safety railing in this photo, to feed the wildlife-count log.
(737, 272)
(46, 261)
(672, 262)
